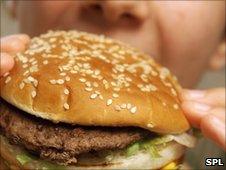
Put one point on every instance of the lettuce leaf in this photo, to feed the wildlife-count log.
(133, 149)
(23, 158)
(149, 145)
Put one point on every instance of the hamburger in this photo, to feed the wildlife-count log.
(75, 100)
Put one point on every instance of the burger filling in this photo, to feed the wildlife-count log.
(84, 146)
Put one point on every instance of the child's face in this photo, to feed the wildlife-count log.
(181, 35)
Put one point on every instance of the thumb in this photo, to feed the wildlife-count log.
(6, 63)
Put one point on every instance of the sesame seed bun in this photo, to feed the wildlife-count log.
(84, 79)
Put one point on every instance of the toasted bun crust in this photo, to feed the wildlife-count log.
(84, 79)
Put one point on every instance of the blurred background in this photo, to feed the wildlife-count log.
(194, 157)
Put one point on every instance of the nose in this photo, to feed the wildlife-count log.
(113, 11)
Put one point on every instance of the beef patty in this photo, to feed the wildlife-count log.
(62, 143)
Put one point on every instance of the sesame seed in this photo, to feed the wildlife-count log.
(89, 71)
(60, 68)
(45, 62)
(150, 125)
(93, 96)
(21, 86)
(83, 80)
(79, 64)
(66, 91)
(8, 79)
(97, 72)
(113, 83)
(175, 106)
(25, 65)
(101, 97)
(106, 86)
(67, 78)
(115, 95)
(63, 74)
(88, 84)
(123, 106)
(25, 73)
(33, 69)
(116, 89)
(154, 73)
(66, 106)
(60, 81)
(24, 60)
(86, 65)
(88, 88)
(31, 60)
(168, 84)
(35, 82)
(133, 109)
(31, 79)
(164, 72)
(105, 81)
(109, 102)
(6, 74)
(95, 84)
(128, 106)
(117, 108)
(173, 91)
(34, 62)
(152, 87)
(53, 81)
(26, 81)
(73, 71)
(97, 92)
(99, 77)
(140, 85)
(33, 94)
(163, 103)
(76, 68)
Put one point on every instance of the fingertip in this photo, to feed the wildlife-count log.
(214, 129)
(23, 37)
(14, 43)
(7, 63)
(187, 94)
(191, 114)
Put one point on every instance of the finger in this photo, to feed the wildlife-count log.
(14, 43)
(194, 111)
(214, 97)
(214, 128)
(23, 37)
(6, 63)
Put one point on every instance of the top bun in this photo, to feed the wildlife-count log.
(85, 79)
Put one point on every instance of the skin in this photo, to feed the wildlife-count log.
(178, 34)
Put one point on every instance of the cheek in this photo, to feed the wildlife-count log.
(36, 17)
(188, 40)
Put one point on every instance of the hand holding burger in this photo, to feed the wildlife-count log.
(9, 46)
(205, 109)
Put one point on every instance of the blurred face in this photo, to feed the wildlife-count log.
(180, 35)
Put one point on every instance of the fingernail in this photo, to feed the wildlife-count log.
(195, 94)
(201, 107)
